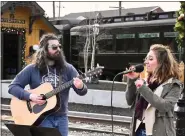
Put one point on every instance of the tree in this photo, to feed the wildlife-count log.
(180, 24)
(180, 109)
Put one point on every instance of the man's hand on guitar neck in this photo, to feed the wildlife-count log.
(37, 99)
(78, 83)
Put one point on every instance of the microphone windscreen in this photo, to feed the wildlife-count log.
(139, 68)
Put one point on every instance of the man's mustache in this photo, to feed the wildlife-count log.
(57, 52)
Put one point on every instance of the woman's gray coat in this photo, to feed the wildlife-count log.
(164, 114)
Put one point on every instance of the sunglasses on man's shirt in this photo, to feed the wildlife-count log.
(55, 47)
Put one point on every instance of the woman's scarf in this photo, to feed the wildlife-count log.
(142, 104)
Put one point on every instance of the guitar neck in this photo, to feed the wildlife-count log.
(68, 84)
(60, 88)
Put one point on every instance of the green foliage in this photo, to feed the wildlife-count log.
(180, 25)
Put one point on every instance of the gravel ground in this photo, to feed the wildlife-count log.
(5, 132)
(100, 126)
(71, 133)
(90, 108)
(92, 126)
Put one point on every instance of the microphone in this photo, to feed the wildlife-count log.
(137, 68)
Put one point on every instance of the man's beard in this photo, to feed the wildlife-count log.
(58, 58)
(54, 57)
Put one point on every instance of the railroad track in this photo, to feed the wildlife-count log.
(82, 121)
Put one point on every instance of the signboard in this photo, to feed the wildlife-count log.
(103, 37)
(148, 35)
(170, 34)
(8, 20)
(125, 36)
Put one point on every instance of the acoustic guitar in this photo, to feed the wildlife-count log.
(30, 113)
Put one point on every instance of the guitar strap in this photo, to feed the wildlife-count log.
(60, 78)
(60, 83)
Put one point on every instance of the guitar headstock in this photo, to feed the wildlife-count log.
(93, 72)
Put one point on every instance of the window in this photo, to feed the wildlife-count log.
(163, 16)
(147, 39)
(79, 43)
(117, 20)
(105, 43)
(129, 19)
(125, 43)
(169, 39)
(139, 18)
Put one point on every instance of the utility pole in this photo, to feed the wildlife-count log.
(59, 10)
(119, 8)
(53, 9)
(59, 6)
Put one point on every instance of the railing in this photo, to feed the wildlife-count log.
(131, 18)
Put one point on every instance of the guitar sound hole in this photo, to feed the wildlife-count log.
(38, 108)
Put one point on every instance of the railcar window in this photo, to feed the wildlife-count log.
(80, 43)
(105, 43)
(169, 39)
(147, 39)
(125, 43)
(73, 40)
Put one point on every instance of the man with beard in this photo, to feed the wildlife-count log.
(49, 66)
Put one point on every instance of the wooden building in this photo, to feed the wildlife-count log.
(22, 25)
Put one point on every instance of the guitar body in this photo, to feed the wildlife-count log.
(21, 113)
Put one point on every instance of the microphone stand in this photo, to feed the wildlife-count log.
(111, 102)
(140, 68)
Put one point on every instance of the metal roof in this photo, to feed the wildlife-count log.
(161, 22)
(112, 13)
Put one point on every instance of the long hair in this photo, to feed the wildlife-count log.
(167, 65)
(40, 59)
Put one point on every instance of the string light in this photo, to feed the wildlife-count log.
(18, 31)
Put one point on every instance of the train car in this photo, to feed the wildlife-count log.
(121, 40)
(64, 25)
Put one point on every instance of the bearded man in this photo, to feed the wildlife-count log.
(49, 66)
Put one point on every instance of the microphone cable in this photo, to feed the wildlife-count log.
(112, 101)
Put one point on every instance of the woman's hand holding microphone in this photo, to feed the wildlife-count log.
(133, 75)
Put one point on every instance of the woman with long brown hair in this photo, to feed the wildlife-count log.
(153, 99)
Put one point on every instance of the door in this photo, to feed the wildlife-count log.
(1, 54)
